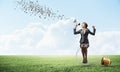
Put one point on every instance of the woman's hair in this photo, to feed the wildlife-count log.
(85, 24)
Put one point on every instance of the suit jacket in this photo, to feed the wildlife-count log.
(84, 35)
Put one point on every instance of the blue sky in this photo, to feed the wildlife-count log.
(104, 14)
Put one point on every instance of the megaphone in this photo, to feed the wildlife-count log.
(75, 21)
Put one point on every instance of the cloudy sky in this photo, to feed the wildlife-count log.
(23, 34)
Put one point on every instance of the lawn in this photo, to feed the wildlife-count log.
(17, 63)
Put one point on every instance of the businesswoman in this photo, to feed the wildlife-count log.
(84, 42)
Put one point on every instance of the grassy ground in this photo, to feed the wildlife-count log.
(56, 64)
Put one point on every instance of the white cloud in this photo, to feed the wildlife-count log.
(50, 38)
(56, 39)
(105, 43)
(34, 37)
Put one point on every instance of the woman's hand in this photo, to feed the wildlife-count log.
(93, 27)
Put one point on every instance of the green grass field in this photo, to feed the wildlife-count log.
(56, 64)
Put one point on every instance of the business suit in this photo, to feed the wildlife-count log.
(84, 35)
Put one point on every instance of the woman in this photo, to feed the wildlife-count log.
(84, 42)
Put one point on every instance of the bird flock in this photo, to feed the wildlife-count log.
(34, 8)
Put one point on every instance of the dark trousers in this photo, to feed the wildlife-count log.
(84, 53)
